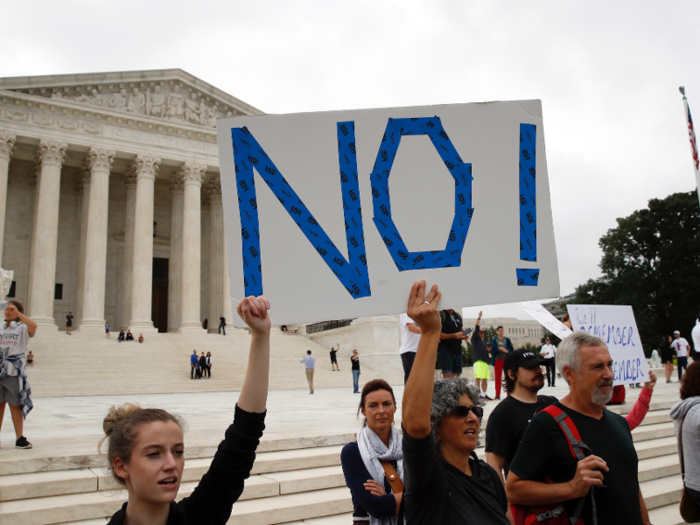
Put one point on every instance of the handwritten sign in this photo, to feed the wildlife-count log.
(546, 319)
(334, 215)
(616, 326)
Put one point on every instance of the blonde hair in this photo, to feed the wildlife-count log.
(121, 427)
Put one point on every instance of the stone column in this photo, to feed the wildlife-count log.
(83, 183)
(130, 182)
(42, 266)
(145, 168)
(177, 189)
(95, 269)
(228, 307)
(192, 175)
(7, 146)
(217, 244)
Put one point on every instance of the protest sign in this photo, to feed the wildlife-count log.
(616, 326)
(546, 319)
(334, 215)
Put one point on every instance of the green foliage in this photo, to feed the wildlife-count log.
(650, 261)
(532, 348)
(467, 354)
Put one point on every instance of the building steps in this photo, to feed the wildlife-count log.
(294, 481)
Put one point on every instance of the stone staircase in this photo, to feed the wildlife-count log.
(294, 480)
(89, 364)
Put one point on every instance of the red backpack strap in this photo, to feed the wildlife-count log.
(576, 446)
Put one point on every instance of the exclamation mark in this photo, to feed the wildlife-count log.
(528, 205)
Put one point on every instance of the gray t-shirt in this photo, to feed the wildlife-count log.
(438, 493)
(14, 341)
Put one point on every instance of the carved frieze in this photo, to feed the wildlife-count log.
(166, 100)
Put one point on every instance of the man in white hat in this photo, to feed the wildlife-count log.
(681, 346)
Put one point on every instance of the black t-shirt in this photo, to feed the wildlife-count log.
(355, 363)
(481, 352)
(544, 451)
(507, 424)
(333, 352)
(451, 324)
(436, 492)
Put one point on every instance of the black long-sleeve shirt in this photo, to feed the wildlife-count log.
(481, 351)
(212, 501)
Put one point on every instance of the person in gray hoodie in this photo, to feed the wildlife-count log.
(687, 412)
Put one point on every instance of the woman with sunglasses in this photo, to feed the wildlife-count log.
(445, 481)
(146, 448)
(373, 465)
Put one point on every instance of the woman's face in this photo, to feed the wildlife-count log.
(460, 433)
(379, 409)
(154, 473)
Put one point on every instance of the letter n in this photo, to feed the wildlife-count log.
(249, 156)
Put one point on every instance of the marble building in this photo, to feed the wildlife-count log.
(110, 199)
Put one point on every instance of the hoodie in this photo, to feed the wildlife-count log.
(690, 410)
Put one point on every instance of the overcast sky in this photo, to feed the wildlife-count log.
(607, 74)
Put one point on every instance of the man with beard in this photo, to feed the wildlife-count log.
(507, 422)
(544, 471)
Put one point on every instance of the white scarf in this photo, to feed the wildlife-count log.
(373, 451)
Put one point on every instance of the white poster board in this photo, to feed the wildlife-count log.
(546, 319)
(616, 326)
(314, 221)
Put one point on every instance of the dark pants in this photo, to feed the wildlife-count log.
(682, 365)
(407, 359)
(551, 367)
(206, 371)
(695, 496)
(198, 375)
(222, 326)
(193, 371)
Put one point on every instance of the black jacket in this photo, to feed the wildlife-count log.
(212, 501)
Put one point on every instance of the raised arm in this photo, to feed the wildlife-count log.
(418, 394)
(253, 310)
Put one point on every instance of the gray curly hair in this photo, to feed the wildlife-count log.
(446, 394)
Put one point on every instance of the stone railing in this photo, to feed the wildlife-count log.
(327, 325)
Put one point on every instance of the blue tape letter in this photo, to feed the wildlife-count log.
(249, 156)
(528, 204)
(459, 170)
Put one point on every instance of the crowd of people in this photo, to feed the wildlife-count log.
(545, 457)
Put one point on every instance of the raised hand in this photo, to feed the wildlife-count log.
(423, 310)
(652, 381)
(253, 311)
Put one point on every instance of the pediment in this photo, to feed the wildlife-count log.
(171, 95)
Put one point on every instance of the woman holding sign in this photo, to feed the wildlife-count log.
(146, 448)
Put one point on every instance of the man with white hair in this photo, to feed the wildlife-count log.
(560, 465)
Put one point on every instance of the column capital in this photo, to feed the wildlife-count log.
(100, 159)
(51, 152)
(146, 166)
(130, 178)
(177, 184)
(7, 145)
(214, 190)
(192, 173)
(82, 179)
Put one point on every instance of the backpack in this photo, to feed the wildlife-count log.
(555, 514)
(618, 396)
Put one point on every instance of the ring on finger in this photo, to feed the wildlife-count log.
(426, 302)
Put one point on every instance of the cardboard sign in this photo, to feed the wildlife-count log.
(616, 326)
(335, 215)
(546, 319)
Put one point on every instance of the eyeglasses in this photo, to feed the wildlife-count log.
(463, 411)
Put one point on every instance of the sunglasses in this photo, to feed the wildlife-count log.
(463, 411)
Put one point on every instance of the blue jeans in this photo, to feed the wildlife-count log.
(355, 381)
(682, 365)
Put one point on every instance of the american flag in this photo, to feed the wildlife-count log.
(693, 143)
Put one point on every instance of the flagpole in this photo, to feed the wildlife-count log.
(693, 143)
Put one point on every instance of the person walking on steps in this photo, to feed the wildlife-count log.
(355, 361)
(309, 365)
(222, 324)
(69, 323)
